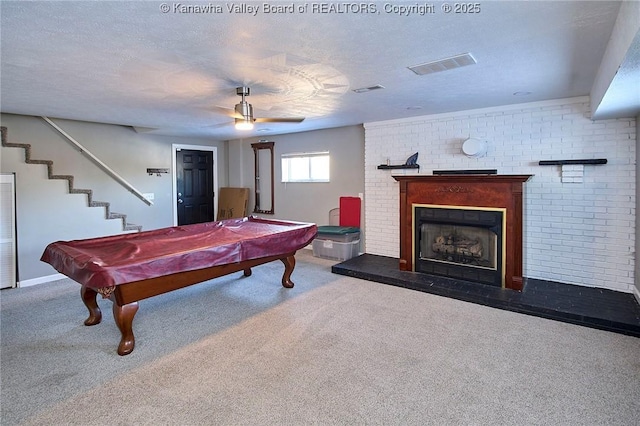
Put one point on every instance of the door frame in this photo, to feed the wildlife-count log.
(10, 179)
(174, 197)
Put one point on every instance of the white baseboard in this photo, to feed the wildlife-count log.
(41, 280)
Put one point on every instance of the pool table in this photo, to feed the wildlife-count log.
(131, 267)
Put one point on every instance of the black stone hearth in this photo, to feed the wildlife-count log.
(590, 307)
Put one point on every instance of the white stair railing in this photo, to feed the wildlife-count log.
(99, 163)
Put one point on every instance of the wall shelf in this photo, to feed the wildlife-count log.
(563, 162)
(156, 171)
(398, 166)
(467, 172)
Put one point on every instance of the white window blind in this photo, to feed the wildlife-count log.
(306, 167)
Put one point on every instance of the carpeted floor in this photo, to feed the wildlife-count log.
(333, 350)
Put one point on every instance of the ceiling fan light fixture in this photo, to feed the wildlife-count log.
(243, 114)
(244, 124)
(244, 109)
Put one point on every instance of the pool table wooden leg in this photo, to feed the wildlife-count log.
(247, 272)
(289, 264)
(88, 296)
(123, 316)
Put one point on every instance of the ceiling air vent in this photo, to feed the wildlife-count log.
(444, 64)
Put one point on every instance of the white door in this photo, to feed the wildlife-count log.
(7, 231)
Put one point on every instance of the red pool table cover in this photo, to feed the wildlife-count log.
(110, 261)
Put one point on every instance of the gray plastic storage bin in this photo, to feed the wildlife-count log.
(341, 234)
(329, 249)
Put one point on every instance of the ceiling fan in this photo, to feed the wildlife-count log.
(243, 113)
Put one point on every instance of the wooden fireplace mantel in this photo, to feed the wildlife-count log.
(501, 191)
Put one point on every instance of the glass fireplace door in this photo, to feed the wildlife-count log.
(459, 244)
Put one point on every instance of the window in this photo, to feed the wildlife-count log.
(305, 167)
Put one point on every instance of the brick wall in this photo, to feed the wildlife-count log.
(576, 230)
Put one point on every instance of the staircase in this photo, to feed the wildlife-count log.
(69, 178)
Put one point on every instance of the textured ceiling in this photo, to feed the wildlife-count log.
(130, 63)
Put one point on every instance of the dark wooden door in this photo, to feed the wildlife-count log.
(194, 175)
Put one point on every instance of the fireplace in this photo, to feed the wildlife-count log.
(463, 226)
(459, 242)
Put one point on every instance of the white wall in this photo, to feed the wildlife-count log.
(308, 202)
(578, 233)
(637, 266)
(46, 212)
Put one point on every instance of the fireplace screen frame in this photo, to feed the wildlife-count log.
(502, 244)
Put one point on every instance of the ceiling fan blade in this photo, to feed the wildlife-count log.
(139, 129)
(279, 120)
(213, 126)
(227, 111)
